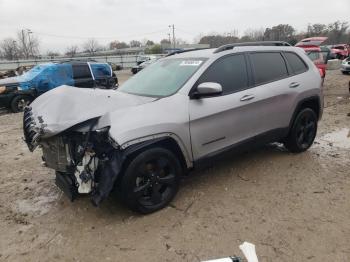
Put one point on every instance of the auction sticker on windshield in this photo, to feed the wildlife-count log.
(191, 63)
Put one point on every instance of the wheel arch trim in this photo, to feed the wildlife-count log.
(139, 143)
(300, 105)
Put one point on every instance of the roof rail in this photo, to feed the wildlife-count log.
(184, 51)
(76, 60)
(261, 43)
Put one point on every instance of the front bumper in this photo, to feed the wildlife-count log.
(30, 130)
(345, 68)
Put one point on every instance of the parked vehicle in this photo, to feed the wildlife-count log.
(345, 67)
(340, 51)
(17, 92)
(115, 67)
(319, 55)
(138, 68)
(144, 58)
(177, 114)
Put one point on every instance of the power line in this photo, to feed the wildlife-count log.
(100, 37)
(183, 31)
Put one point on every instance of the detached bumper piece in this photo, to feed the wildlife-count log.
(31, 137)
(66, 183)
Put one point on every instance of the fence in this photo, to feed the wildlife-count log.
(126, 61)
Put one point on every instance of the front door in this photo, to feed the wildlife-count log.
(220, 121)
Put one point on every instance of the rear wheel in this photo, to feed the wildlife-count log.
(20, 102)
(151, 180)
(303, 132)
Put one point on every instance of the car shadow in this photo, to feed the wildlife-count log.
(271, 152)
(4, 111)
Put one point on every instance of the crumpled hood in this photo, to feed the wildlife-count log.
(66, 106)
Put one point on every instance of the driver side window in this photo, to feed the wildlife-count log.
(230, 72)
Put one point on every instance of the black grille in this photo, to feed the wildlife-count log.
(30, 135)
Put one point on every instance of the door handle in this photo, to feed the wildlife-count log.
(293, 85)
(247, 97)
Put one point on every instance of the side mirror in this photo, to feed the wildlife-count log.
(207, 89)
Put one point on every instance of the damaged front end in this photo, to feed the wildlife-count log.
(86, 159)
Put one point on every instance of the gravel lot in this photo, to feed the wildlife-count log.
(292, 207)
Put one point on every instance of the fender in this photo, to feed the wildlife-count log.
(27, 92)
(299, 106)
(112, 169)
(139, 143)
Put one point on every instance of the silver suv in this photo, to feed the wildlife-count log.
(173, 116)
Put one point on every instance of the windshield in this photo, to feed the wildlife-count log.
(36, 70)
(162, 78)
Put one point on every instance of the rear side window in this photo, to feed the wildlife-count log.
(81, 71)
(101, 70)
(295, 62)
(268, 67)
(230, 72)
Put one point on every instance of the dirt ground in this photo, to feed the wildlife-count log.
(292, 207)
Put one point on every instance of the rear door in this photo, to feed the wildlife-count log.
(82, 76)
(275, 92)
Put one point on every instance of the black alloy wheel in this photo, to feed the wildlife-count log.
(303, 132)
(151, 180)
(19, 103)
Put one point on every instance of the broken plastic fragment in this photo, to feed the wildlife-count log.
(248, 250)
(226, 259)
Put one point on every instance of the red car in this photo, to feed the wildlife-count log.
(340, 51)
(313, 50)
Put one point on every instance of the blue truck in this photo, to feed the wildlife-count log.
(18, 92)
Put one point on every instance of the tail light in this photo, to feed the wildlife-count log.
(322, 72)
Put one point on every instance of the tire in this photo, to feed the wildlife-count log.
(19, 102)
(303, 131)
(151, 180)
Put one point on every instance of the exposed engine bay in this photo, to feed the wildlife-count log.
(85, 163)
(86, 160)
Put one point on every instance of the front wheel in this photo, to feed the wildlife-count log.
(151, 180)
(303, 131)
(19, 102)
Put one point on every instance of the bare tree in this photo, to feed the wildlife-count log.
(281, 32)
(28, 45)
(91, 46)
(117, 45)
(52, 54)
(71, 50)
(165, 42)
(180, 41)
(337, 32)
(135, 43)
(316, 30)
(9, 49)
(254, 34)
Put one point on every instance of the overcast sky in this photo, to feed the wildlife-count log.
(59, 23)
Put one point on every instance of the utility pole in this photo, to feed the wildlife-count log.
(169, 39)
(173, 28)
(30, 42)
